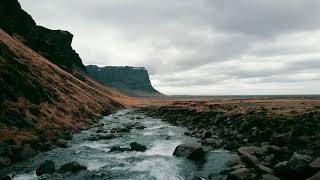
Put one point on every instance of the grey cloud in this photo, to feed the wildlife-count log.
(196, 42)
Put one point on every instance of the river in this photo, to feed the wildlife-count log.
(157, 163)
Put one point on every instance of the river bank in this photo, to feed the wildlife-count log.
(271, 143)
(124, 145)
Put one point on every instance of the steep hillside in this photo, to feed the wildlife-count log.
(133, 81)
(54, 45)
(41, 103)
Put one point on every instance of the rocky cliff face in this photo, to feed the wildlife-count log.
(40, 103)
(133, 81)
(54, 45)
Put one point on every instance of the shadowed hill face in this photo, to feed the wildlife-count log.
(39, 100)
(133, 81)
(54, 45)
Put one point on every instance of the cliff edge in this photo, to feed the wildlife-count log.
(133, 81)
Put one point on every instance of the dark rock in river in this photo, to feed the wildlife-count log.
(190, 151)
(138, 147)
(119, 149)
(47, 167)
(72, 167)
(8, 177)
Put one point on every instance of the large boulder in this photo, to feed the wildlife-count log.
(253, 150)
(72, 167)
(282, 168)
(298, 163)
(263, 169)
(47, 167)
(249, 159)
(190, 151)
(138, 147)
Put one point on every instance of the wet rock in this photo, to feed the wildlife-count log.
(270, 149)
(106, 136)
(138, 147)
(4, 162)
(269, 177)
(119, 149)
(249, 159)
(122, 129)
(72, 167)
(280, 139)
(314, 166)
(263, 169)
(254, 150)
(47, 167)
(62, 143)
(99, 131)
(239, 174)
(140, 127)
(298, 163)
(93, 138)
(234, 161)
(8, 177)
(190, 151)
(282, 168)
(209, 141)
(99, 124)
(207, 134)
(233, 168)
(315, 177)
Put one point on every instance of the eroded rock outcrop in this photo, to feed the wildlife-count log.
(54, 45)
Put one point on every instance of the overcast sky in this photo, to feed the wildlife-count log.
(200, 47)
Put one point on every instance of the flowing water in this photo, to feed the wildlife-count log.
(157, 162)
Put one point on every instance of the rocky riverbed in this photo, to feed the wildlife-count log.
(126, 145)
(270, 145)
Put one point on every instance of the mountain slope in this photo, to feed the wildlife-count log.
(54, 45)
(40, 102)
(133, 81)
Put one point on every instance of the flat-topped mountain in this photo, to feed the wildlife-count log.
(133, 81)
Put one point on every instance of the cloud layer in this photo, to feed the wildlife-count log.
(203, 47)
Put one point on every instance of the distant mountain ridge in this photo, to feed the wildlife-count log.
(54, 45)
(133, 81)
